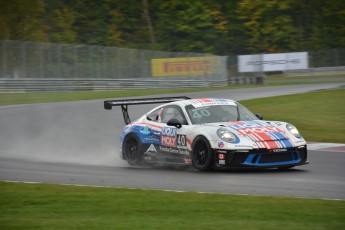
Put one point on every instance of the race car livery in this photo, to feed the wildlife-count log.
(207, 133)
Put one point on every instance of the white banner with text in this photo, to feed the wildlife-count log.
(272, 62)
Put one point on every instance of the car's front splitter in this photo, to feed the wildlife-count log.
(260, 158)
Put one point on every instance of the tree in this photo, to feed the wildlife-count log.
(21, 20)
(322, 23)
(63, 26)
(191, 26)
(269, 25)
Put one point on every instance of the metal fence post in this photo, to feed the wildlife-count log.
(4, 59)
(23, 54)
(41, 61)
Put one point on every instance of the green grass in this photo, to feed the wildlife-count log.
(43, 206)
(319, 116)
(298, 78)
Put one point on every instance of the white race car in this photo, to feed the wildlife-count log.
(207, 133)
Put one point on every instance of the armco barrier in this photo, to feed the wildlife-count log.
(36, 85)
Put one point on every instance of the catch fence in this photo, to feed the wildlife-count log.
(33, 66)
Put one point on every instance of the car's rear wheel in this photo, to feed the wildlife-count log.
(132, 150)
(202, 158)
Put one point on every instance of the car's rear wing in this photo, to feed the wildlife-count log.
(141, 101)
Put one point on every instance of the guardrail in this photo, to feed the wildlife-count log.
(51, 84)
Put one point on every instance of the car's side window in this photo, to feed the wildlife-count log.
(175, 112)
(155, 115)
(245, 114)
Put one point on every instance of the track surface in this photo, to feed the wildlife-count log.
(73, 143)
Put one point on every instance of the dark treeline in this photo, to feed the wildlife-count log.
(213, 26)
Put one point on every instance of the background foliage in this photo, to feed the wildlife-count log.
(217, 26)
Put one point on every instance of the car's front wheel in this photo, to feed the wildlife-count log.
(132, 150)
(202, 158)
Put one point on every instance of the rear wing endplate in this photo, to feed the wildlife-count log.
(141, 101)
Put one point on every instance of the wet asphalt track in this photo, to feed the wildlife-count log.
(73, 143)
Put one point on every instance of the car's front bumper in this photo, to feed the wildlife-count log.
(260, 158)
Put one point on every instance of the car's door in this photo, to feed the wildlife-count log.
(173, 139)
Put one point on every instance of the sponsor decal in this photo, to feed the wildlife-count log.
(196, 66)
(168, 141)
(168, 136)
(248, 131)
(145, 130)
(147, 158)
(168, 149)
(151, 148)
(187, 66)
(249, 128)
(152, 139)
(211, 101)
(248, 124)
(221, 151)
(169, 131)
(150, 153)
(265, 135)
(221, 162)
(220, 144)
(183, 152)
(279, 150)
(272, 62)
(243, 146)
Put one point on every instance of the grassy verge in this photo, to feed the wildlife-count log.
(42, 206)
(307, 78)
(319, 116)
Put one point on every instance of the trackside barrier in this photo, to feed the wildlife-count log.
(38, 84)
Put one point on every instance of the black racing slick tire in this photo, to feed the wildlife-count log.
(132, 150)
(202, 158)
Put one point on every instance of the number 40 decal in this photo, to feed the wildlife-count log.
(181, 140)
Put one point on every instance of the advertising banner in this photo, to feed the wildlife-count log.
(272, 62)
(190, 66)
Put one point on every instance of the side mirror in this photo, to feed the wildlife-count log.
(174, 122)
(258, 115)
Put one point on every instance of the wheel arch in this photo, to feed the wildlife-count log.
(209, 163)
(124, 140)
(197, 137)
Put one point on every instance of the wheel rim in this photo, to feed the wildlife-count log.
(202, 155)
(131, 150)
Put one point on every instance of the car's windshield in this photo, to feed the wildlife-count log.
(219, 113)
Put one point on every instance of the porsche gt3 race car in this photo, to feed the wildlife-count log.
(207, 133)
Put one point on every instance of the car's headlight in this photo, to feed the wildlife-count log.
(292, 129)
(226, 135)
